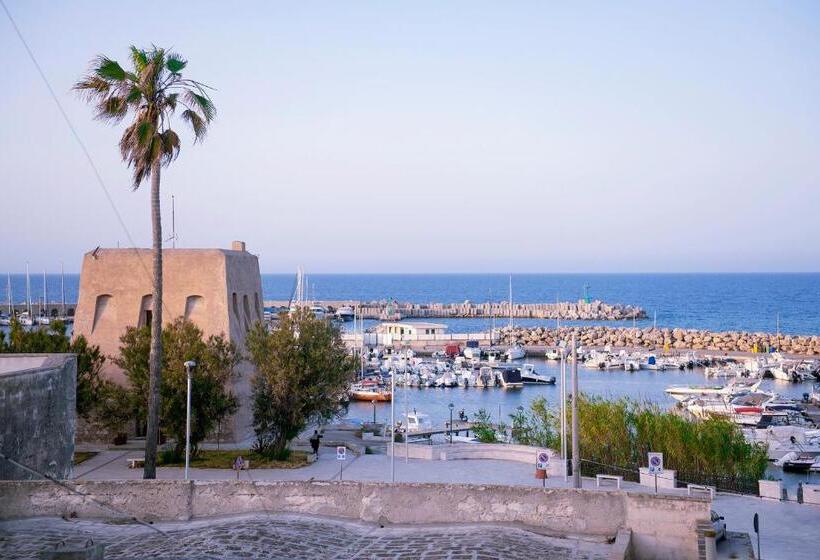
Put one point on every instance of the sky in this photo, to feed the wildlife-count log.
(433, 136)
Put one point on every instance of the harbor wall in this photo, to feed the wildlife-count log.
(392, 310)
(662, 526)
(657, 338)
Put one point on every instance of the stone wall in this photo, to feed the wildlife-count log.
(37, 414)
(662, 526)
(651, 338)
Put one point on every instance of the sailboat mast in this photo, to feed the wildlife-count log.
(8, 293)
(62, 289)
(28, 291)
(45, 292)
(510, 304)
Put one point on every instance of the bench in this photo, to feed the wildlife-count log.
(599, 478)
(136, 462)
(700, 489)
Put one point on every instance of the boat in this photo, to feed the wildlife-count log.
(683, 392)
(345, 313)
(515, 352)
(43, 318)
(417, 422)
(25, 319)
(552, 355)
(795, 461)
(369, 394)
(510, 378)
(529, 377)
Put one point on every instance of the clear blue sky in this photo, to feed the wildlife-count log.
(438, 136)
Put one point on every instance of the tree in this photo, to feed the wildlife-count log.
(151, 91)
(53, 339)
(211, 402)
(302, 370)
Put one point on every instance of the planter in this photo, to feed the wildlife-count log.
(770, 489)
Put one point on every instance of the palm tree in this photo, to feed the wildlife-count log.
(150, 93)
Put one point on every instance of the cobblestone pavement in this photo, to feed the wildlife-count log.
(290, 537)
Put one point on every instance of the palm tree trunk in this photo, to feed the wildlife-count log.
(155, 356)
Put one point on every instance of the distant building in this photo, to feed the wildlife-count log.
(37, 415)
(411, 329)
(219, 290)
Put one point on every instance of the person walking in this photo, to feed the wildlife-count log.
(314, 442)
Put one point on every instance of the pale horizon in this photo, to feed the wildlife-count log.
(374, 138)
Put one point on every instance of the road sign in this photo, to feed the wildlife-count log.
(655, 463)
(341, 451)
(542, 460)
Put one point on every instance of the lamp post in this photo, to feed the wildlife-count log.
(189, 370)
(373, 402)
(451, 406)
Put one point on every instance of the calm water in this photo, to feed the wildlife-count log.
(749, 302)
(643, 384)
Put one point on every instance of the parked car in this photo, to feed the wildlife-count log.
(719, 525)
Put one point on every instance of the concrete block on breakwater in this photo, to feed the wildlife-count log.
(657, 338)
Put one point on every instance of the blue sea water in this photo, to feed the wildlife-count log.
(750, 302)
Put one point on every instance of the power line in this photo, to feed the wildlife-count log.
(82, 145)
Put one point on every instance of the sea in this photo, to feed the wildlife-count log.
(719, 302)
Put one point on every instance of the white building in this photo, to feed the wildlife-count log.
(411, 329)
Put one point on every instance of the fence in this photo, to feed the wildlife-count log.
(725, 483)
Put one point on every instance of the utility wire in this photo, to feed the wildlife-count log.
(82, 145)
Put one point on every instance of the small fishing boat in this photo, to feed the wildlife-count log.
(795, 461)
(510, 378)
(369, 394)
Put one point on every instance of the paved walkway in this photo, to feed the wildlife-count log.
(789, 530)
(291, 536)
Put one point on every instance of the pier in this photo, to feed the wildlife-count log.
(389, 310)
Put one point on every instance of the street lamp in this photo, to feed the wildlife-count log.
(189, 369)
(451, 406)
(373, 402)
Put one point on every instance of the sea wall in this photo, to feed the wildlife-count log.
(662, 526)
(657, 338)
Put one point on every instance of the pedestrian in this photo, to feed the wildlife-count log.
(314, 442)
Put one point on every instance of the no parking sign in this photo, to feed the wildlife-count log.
(655, 463)
(542, 460)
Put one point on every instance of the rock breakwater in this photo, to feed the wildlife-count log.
(658, 338)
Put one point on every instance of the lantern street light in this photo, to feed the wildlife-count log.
(450, 431)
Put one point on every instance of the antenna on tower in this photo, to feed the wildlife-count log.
(173, 238)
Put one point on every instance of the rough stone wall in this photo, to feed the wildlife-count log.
(662, 526)
(38, 415)
(679, 339)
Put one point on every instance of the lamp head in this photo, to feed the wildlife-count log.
(190, 365)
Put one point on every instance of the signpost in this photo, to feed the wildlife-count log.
(341, 453)
(542, 463)
(655, 466)
(756, 522)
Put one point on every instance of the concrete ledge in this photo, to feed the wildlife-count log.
(467, 451)
(662, 526)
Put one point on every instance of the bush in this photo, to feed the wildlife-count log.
(211, 402)
(483, 428)
(302, 370)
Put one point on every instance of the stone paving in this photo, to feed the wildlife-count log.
(291, 536)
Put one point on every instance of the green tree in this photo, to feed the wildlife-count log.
(53, 339)
(151, 91)
(211, 402)
(302, 370)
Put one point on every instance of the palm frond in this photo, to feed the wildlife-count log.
(175, 63)
(138, 58)
(112, 108)
(92, 85)
(108, 69)
(145, 131)
(197, 124)
(202, 103)
(170, 146)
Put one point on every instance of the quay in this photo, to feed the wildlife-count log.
(392, 310)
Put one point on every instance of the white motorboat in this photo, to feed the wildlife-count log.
(529, 377)
(417, 422)
(345, 313)
(25, 319)
(510, 378)
(680, 393)
(553, 355)
(515, 352)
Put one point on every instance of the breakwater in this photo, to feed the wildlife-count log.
(657, 338)
(572, 311)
